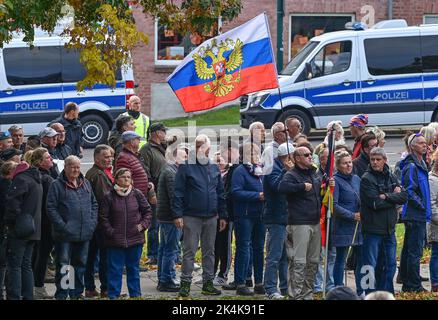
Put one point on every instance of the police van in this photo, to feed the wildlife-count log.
(36, 83)
(389, 71)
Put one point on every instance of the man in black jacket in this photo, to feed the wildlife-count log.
(302, 187)
(361, 163)
(73, 128)
(380, 193)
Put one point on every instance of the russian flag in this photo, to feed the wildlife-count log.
(225, 67)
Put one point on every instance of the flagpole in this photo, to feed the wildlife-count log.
(349, 250)
(328, 217)
(276, 71)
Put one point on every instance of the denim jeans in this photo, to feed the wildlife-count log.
(320, 274)
(96, 251)
(412, 252)
(249, 232)
(118, 258)
(371, 247)
(433, 264)
(19, 268)
(276, 258)
(153, 233)
(167, 252)
(339, 268)
(70, 254)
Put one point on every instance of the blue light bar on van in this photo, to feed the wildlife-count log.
(357, 26)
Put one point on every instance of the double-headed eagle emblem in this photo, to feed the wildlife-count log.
(220, 68)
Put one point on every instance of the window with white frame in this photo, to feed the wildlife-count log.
(171, 47)
(303, 27)
(430, 19)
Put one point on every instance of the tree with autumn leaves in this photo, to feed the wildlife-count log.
(104, 30)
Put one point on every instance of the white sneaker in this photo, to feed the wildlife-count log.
(176, 282)
(40, 293)
(275, 296)
(196, 266)
(219, 281)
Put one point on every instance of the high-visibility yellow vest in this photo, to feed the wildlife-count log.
(141, 127)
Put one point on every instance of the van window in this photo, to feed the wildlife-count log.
(72, 68)
(429, 48)
(333, 58)
(25, 66)
(299, 58)
(387, 56)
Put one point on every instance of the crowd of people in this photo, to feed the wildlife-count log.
(270, 198)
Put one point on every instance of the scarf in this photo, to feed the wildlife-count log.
(123, 192)
(109, 174)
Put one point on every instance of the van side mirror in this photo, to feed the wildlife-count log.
(309, 72)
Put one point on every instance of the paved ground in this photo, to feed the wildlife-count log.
(149, 284)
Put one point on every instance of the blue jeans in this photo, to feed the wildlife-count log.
(168, 252)
(412, 252)
(276, 258)
(153, 241)
(118, 258)
(371, 248)
(339, 268)
(433, 265)
(250, 232)
(320, 274)
(70, 254)
(19, 268)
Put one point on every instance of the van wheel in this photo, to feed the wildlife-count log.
(95, 130)
(300, 115)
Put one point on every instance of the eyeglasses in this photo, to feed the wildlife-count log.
(306, 155)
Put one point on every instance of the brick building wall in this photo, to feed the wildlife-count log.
(146, 72)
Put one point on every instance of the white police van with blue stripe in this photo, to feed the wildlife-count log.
(36, 83)
(389, 72)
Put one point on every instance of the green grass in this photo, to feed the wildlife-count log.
(224, 116)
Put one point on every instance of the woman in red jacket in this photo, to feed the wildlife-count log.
(124, 216)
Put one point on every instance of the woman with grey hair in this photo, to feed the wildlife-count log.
(346, 228)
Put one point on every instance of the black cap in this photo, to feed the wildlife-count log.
(5, 135)
(7, 154)
(342, 293)
(157, 127)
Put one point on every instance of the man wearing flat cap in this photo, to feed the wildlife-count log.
(153, 158)
(49, 140)
(128, 158)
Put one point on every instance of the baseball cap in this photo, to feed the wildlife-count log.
(7, 154)
(157, 127)
(5, 135)
(48, 132)
(129, 135)
(282, 149)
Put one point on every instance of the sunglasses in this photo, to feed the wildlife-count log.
(306, 155)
